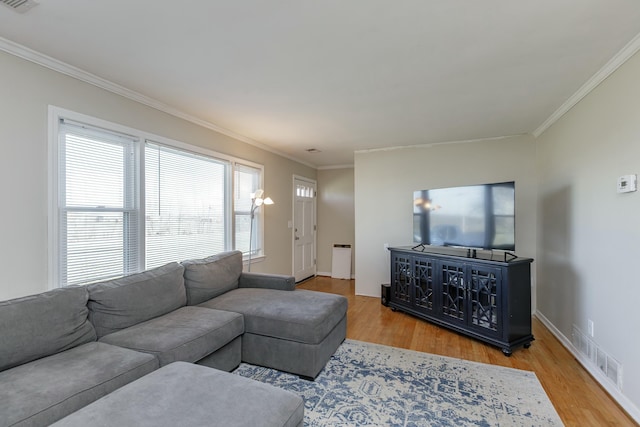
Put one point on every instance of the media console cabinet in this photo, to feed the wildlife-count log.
(486, 299)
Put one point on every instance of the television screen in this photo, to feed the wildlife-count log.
(475, 216)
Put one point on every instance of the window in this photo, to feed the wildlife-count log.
(247, 181)
(305, 191)
(98, 210)
(185, 205)
(124, 202)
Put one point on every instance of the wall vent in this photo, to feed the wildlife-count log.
(20, 6)
(597, 357)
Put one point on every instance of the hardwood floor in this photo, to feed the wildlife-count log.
(577, 397)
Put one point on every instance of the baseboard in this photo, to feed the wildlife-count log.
(620, 398)
(328, 274)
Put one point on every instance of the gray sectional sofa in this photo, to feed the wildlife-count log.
(63, 349)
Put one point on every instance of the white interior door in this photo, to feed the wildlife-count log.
(304, 228)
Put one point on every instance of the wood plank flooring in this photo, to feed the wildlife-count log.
(577, 397)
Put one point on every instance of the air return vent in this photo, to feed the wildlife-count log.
(20, 6)
(597, 358)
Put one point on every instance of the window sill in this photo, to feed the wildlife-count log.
(254, 259)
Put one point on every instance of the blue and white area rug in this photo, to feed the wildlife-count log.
(373, 385)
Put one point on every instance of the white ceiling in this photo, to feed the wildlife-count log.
(340, 75)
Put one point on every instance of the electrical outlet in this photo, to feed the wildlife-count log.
(386, 246)
(590, 327)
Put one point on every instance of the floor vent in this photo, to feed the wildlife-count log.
(597, 357)
(20, 6)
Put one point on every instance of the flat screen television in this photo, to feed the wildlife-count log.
(474, 216)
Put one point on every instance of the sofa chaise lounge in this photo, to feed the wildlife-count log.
(63, 349)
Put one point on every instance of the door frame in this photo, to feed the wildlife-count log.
(315, 222)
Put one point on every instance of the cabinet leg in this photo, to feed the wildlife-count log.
(506, 352)
(394, 309)
(527, 345)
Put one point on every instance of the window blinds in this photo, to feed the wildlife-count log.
(185, 205)
(124, 204)
(98, 212)
(246, 182)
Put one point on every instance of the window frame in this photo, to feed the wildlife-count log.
(56, 114)
(258, 250)
(130, 208)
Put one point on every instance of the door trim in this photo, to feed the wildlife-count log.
(315, 225)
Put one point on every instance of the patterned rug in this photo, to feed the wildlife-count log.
(372, 385)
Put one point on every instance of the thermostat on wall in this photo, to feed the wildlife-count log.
(627, 183)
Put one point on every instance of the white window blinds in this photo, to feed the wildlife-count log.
(98, 211)
(124, 202)
(246, 182)
(185, 205)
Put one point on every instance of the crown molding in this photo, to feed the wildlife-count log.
(46, 61)
(434, 144)
(351, 166)
(31, 55)
(614, 63)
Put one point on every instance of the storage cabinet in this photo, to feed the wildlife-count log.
(486, 299)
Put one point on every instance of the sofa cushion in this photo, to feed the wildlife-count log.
(212, 276)
(283, 282)
(41, 325)
(45, 390)
(226, 358)
(187, 334)
(120, 303)
(302, 316)
(182, 394)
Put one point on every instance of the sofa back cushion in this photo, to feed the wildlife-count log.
(41, 325)
(120, 303)
(212, 276)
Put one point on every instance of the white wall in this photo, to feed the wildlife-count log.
(335, 215)
(385, 182)
(26, 91)
(589, 236)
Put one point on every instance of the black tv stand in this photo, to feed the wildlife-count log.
(486, 299)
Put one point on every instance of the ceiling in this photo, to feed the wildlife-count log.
(341, 76)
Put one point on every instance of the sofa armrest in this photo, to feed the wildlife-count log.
(269, 281)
